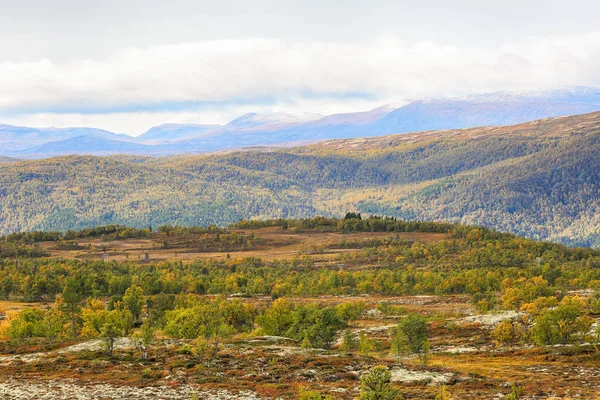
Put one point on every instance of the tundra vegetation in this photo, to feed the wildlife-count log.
(320, 308)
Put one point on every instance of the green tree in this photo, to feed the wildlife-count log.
(324, 326)
(375, 385)
(112, 329)
(52, 325)
(306, 344)
(278, 319)
(350, 311)
(144, 338)
(27, 324)
(134, 301)
(348, 341)
(365, 345)
(563, 324)
(71, 298)
(412, 334)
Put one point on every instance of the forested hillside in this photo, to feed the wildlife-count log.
(539, 179)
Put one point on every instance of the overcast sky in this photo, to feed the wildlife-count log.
(128, 65)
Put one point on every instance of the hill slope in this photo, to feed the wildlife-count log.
(538, 179)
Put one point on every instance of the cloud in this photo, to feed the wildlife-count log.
(217, 77)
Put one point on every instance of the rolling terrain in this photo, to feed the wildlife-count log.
(271, 309)
(285, 129)
(539, 179)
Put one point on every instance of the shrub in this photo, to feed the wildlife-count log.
(375, 385)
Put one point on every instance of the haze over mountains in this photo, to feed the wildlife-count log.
(284, 129)
(539, 179)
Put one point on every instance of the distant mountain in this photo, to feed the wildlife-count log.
(356, 118)
(8, 159)
(454, 114)
(18, 138)
(173, 133)
(167, 133)
(284, 129)
(92, 145)
(539, 179)
(573, 94)
(253, 121)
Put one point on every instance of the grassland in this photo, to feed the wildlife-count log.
(272, 243)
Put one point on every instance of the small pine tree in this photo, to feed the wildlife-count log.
(375, 385)
(424, 355)
(398, 345)
(443, 394)
(516, 393)
(71, 299)
(306, 344)
(365, 345)
(348, 342)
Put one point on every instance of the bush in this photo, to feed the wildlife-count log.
(563, 324)
(312, 323)
(305, 394)
(35, 323)
(375, 385)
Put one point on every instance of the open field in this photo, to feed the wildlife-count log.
(273, 243)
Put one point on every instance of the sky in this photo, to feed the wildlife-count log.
(126, 66)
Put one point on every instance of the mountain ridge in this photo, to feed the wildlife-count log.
(252, 129)
(538, 179)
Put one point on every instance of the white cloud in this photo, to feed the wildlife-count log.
(294, 74)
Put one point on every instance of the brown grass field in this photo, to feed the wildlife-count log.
(278, 245)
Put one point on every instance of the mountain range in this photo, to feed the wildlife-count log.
(285, 129)
(538, 179)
